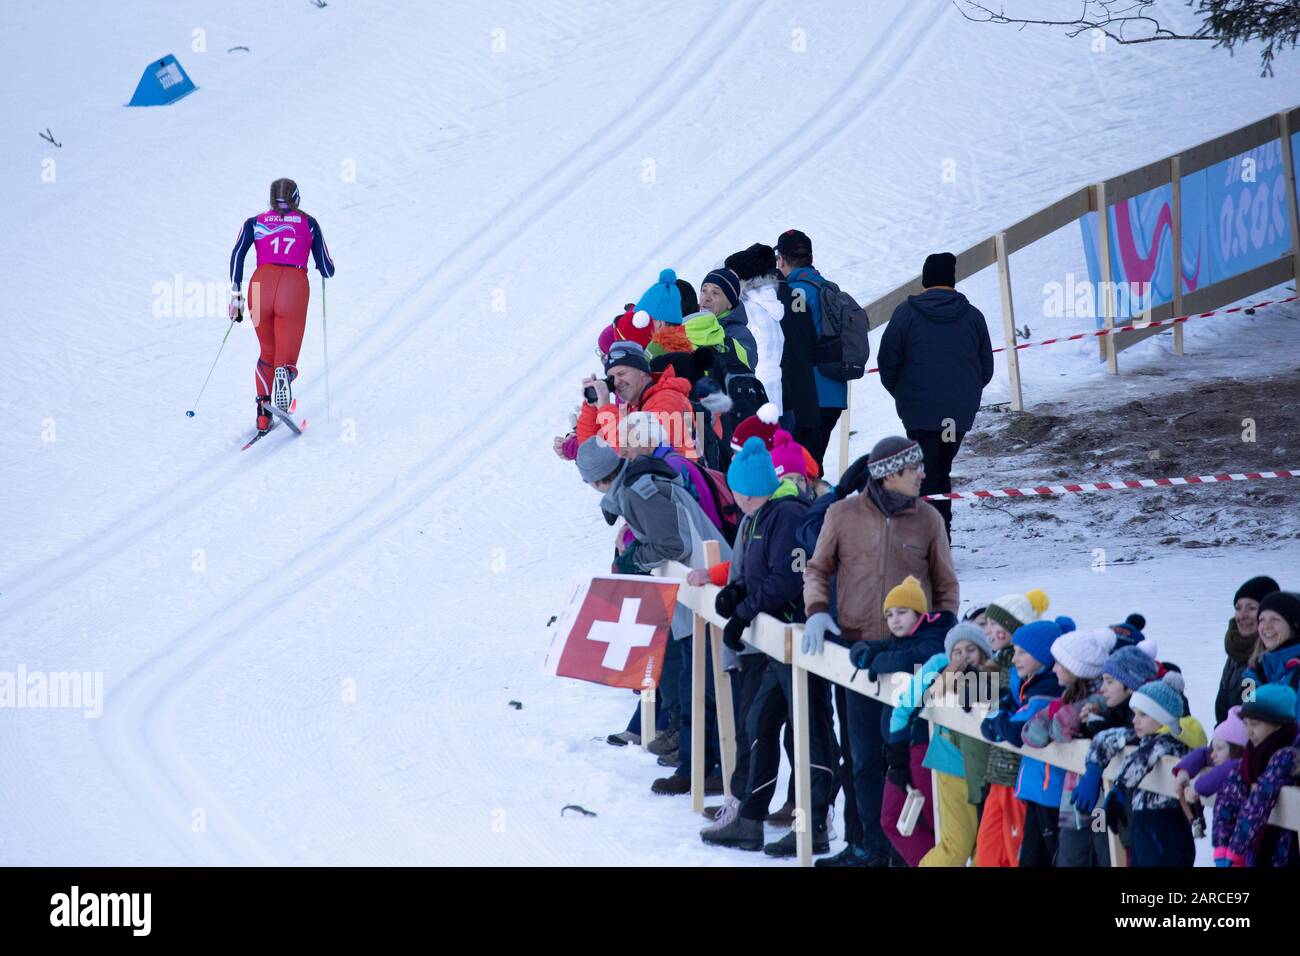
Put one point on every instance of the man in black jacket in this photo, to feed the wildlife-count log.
(765, 578)
(935, 359)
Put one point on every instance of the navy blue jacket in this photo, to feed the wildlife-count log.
(830, 393)
(798, 364)
(935, 359)
(773, 583)
(813, 520)
(905, 654)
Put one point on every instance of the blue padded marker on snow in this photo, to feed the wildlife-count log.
(162, 83)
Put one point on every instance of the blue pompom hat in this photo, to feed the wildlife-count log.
(663, 300)
(1036, 638)
(751, 471)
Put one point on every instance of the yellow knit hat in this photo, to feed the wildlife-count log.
(909, 594)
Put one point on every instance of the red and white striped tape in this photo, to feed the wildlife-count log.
(1143, 325)
(1138, 327)
(1110, 485)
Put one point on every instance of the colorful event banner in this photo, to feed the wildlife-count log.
(1234, 219)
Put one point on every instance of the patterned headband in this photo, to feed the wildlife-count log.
(899, 460)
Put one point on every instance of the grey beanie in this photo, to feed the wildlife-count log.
(967, 631)
(597, 460)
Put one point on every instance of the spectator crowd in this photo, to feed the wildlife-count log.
(711, 423)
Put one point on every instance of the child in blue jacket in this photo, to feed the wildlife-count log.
(1038, 785)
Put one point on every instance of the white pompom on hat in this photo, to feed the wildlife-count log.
(1084, 653)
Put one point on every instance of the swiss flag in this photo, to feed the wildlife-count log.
(619, 632)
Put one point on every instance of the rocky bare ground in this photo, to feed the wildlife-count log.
(1219, 426)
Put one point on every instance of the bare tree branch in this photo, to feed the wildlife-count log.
(1108, 16)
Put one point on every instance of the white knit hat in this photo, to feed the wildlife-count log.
(1015, 610)
(1084, 653)
(1148, 647)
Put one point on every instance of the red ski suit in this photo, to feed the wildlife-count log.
(279, 291)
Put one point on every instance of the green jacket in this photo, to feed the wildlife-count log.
(1004, 765)
(705, 331)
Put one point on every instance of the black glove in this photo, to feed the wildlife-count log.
(854, 478)
(898, 765)
(727, 599)
(995, 727)
(968, 689)
(731, 633)
(626, 563)
(861, 653)
(1116, 807)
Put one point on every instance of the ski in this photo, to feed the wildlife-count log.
(297, 428)
(257, 436)
(285, 417)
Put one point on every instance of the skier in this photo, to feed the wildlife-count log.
(279, 290)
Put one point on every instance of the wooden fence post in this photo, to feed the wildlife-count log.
(648, 711)
(699, 641)
(803, 822)
(1293, 208)
(721, 689)
(1176, 209)
(1107, 290)
(1118, 856)
(725, 708)
(1008, 321)
(934, 799)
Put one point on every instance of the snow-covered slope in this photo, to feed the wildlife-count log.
(310, 647)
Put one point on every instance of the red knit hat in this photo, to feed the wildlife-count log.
(631, 326)
(761, 425)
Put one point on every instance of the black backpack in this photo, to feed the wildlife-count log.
(714, 448)
(747, 396)
(843, 347)
(742, 386)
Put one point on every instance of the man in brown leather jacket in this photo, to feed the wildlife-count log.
(870, 542)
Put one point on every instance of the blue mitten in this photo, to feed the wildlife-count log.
(1088, 789)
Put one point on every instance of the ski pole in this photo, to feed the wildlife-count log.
(325, 342)
(190, 413)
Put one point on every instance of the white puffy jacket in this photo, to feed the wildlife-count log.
(764, 312)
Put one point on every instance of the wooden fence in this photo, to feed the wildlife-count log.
(1100, 197)
(782, 642)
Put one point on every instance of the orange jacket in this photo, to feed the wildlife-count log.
(668, 397)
